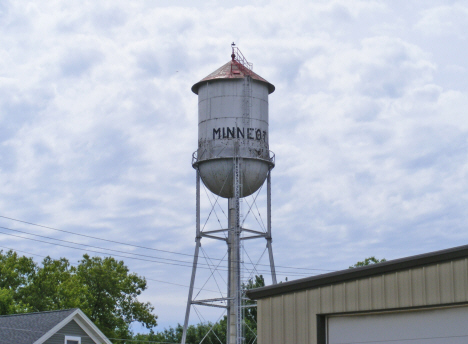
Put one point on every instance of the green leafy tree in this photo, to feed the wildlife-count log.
(251, 312)
(53, 286)
(110, 296)
(368, 261)
(16, 272)
(8, 304)
(103, 288)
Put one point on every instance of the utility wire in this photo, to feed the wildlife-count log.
(148, 279)
(144, 247)
(125, 252)
(97, 238)
(98, 247)
(86, 245)
(135, 258)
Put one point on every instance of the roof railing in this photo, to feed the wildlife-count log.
(240, 58)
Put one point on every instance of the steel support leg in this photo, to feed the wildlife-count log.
(236, 244)
(268, 238)
(195, 260)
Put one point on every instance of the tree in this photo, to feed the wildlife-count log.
(103, 288)
(15, 273)
(53, 286)
(251, 312)
(110, 296)
(368, 261)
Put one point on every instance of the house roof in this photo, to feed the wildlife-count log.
(36, 328)
(29, 327)
(361, 272)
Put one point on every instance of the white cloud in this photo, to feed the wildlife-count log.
(448, 20)
(98, 124)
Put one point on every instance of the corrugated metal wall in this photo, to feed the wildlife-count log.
(291, 318)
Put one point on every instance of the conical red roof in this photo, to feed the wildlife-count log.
(232, 70)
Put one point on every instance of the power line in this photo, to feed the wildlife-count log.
(99, 252)
(148, 279)
(143, 247)
(97, 238)
(87, 245)
(120, 255)
(32, 254)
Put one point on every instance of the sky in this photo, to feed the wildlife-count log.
(98, 125)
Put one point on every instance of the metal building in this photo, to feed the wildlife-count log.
(416, 300)
(233, 160)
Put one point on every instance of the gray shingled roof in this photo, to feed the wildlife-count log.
(29, 327)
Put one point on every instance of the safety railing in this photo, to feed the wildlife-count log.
(271, 158)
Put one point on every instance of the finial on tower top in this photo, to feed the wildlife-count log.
(233, 56)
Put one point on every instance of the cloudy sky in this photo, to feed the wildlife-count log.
(98, 125)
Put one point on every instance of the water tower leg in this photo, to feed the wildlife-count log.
(230, 304)
(235, 319)
(269, 240)
(195, 260)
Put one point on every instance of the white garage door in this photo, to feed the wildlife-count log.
(436, 326)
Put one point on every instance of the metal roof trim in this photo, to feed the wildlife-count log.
(361, 272)
(232, 70)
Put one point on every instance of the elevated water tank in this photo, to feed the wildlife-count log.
(233, 121)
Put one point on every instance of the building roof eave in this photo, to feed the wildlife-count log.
(361, 272)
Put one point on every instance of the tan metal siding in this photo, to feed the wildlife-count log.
(339, 297)
(326, 299)
(418, 292)
(351, 292)
(302, 317)
(289, 303)
(292, 318)
(431, 278)
(378, 291)
(313, 296)
(446, 282)
(264, 321)
(460, 280)
(278, 320)
(404, 289)
(391, 291)
(365, 294)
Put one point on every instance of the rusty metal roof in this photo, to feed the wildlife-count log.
(232, 70)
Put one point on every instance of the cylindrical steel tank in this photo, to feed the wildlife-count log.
(233, 122)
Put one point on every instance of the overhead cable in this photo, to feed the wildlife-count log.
(124, 256)
(144, 247)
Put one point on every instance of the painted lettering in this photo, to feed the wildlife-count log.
(231, 132)
(258, 134)
(249, 133)
(216, 131)
(240, 132)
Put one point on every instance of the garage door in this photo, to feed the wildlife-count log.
(435, 326)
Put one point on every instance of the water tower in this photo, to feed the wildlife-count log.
(233, 160)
